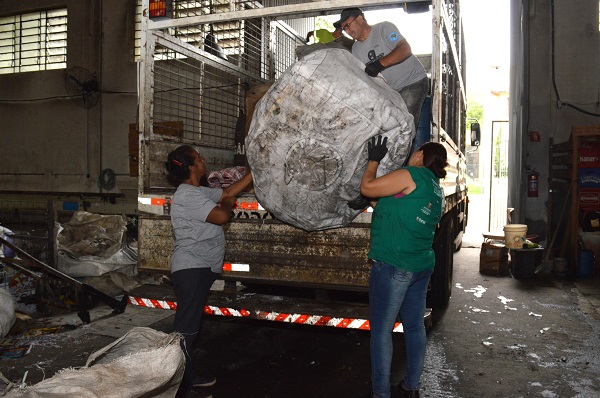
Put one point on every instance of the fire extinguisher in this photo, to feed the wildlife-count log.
(532, 184)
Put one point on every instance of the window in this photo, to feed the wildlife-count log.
(34, 41)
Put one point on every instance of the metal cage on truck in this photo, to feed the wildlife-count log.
(192, 91)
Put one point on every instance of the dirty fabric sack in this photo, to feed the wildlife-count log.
(307, 144)
(225, 177)
(88, 234)
(7, 311)
(93, 244)
(143, 363)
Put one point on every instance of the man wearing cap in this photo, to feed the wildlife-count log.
(384, 50)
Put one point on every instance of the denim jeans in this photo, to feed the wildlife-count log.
(393, 291)
(414, 96)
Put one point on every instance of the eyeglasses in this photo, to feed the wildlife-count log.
(345, 27)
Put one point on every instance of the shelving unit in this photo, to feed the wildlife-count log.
(559, 196)
(564, 196)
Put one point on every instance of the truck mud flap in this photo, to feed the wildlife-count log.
(300, 311)
(440, 290)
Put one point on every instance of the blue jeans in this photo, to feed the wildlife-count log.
(393, 291)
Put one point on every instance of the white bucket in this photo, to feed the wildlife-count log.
(515, 235)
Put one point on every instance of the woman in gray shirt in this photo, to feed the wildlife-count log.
(197, 215)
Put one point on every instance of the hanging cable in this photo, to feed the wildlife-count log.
(106, 179)
(560, 103)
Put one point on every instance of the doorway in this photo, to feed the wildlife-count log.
(498, 201)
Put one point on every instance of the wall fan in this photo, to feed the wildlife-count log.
(82, 86)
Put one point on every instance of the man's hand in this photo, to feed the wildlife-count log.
(372, 69)
(377, 148)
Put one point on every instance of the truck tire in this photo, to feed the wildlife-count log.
(441, 280)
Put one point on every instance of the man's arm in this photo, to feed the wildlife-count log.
(399, 54)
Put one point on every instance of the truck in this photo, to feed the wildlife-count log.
(202, 69)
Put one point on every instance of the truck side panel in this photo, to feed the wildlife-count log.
(274, 252)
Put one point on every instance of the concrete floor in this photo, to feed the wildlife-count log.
(499, 337)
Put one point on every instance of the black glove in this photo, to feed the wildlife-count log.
(373, 68)
(377, 148)
(359, 203)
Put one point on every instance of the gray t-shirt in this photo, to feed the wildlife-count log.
(383, 38)
(198, 243)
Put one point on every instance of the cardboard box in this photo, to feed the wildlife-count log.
(493, 259)
(589, 154)
(589, 198)
(589, 178)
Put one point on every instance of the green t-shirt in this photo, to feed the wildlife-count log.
(403, 226)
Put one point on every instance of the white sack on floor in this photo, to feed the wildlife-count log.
(307, 144)
(7, 311)
(143, 363)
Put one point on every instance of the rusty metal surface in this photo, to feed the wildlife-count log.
(334, 258)
(155, 243)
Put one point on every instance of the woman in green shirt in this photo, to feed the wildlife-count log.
(404, 221)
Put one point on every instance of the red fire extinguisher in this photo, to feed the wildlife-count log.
(532, 184)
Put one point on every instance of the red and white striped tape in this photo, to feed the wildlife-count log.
(301, 319)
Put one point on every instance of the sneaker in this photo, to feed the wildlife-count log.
(403, 393)
(204, 381)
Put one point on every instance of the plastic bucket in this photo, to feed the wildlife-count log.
(585, 263)
(515, 235)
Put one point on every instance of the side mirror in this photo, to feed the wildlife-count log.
(475, 134)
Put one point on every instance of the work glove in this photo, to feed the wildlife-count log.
(377, 148)
(373, 68)
(359, 203)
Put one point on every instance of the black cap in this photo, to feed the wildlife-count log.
(347, 13)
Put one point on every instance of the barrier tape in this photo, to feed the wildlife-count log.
(300, 319)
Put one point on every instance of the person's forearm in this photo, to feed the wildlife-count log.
(369, 176)
(398, 55)
(238, 186)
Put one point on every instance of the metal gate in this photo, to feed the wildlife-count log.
(499, 176)
(194, 78)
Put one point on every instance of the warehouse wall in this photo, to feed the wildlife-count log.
(48, 142)
(51, 144)
(576, 75)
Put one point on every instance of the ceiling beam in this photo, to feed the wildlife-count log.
(291, 11)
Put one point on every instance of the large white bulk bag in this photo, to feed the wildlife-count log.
(307, 144)
(143, 363)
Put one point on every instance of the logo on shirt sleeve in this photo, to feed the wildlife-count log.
(394, 36)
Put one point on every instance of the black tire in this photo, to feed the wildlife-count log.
(440, 290)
